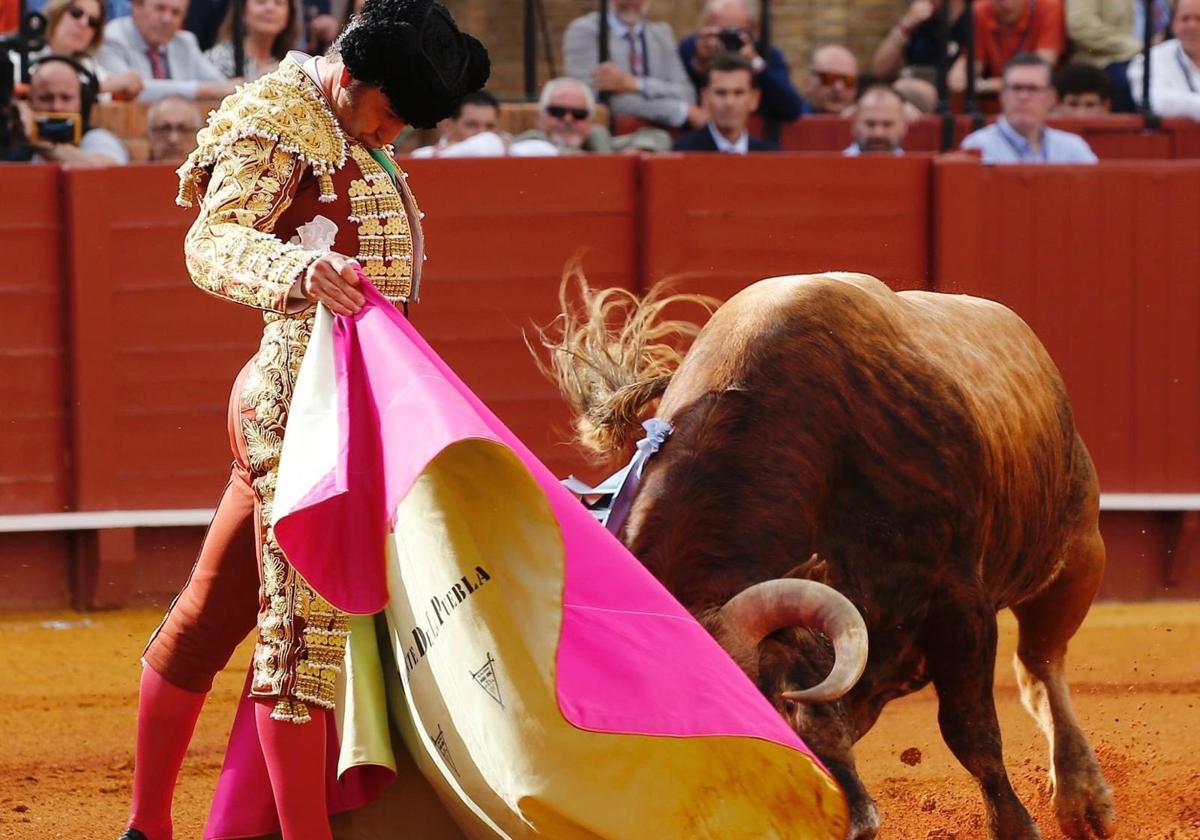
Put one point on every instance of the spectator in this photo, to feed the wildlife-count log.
(729, 19)
(832, 80)
(643, 74)
(476, 115)
(75, 28)
(167, 58)
(1004, 28)
(203, 19)
(879, 123)
(919, 94)
(913, 41)
(565, 111)
(730, 98)
(1084, 90)
(271, 28)
(172, 124)
(59, 85)
(1174, 67)
(1109, 33)
(1021, 134)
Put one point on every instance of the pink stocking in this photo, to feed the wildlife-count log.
(295, 754)
(166, 719)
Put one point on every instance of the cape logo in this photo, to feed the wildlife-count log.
(486, 677)
(441, 607)
(443, 749)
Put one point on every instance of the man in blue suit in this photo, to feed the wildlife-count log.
(730, 98)
(722, 22)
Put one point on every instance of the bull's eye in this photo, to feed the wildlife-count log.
(789, 706)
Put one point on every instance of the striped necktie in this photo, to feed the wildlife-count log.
(637, 63)
(158, 64)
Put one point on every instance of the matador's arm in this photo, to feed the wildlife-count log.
(230, 249)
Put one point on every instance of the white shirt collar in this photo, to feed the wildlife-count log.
(739, 147)
(854, 150)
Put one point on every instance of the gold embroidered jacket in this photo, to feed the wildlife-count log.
(271, 158)
(274, 156)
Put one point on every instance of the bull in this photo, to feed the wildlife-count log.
(840, 450)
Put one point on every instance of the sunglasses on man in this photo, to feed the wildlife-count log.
(79, 14)
(828, 79)
(560, 112)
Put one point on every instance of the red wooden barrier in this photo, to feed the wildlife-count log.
(1100, 260)
(500, 233)
(1120, 137)
(152, 357)
(1116, 137)
(1102, 263)
(33, 445)
(1185, 138)
(721, 224)
(827, 133)
(33, 464)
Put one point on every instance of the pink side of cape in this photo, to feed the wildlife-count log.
(630, 659)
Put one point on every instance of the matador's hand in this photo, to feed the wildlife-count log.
(333, 281)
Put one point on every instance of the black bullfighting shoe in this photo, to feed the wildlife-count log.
(133, 834)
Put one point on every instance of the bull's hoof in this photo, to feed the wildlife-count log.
(1084, 807)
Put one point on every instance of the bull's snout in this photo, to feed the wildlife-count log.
(864, 821)
(864, 816)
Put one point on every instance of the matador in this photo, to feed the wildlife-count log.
(298, 193)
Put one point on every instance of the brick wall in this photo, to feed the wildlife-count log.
(798, 26)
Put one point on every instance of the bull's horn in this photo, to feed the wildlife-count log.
(759, 610)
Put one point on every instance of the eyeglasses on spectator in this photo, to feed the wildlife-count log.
(560, 112)
(167, 129)
(1021, 89)
(79, 14)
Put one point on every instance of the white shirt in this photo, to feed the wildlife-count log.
(483, 144)
(740, 146)
(1174, 81)
(1001, 143)
(853, 150)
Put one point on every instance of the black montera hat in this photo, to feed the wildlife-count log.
(415, 53)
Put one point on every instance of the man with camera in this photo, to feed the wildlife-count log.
(730, 26)
(61, 94)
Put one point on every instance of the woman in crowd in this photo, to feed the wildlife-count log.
(270, 29)
(75, 28)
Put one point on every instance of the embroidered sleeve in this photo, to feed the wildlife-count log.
(230, 250)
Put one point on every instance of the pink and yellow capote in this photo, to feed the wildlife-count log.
(543, 683)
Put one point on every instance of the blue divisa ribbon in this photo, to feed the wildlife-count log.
(657, 432)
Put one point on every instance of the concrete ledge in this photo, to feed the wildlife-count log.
(105, 519)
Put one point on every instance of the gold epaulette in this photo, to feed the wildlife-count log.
(284, 107)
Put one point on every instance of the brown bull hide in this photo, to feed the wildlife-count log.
(922, 447)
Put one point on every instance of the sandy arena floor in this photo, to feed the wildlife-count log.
(68, 697)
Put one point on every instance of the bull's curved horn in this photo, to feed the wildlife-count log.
(759, 610)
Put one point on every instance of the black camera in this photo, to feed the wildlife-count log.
(732, 38)
(56, 128)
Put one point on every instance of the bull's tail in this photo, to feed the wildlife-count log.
(612, 354)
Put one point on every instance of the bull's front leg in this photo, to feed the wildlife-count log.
(959, 638)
